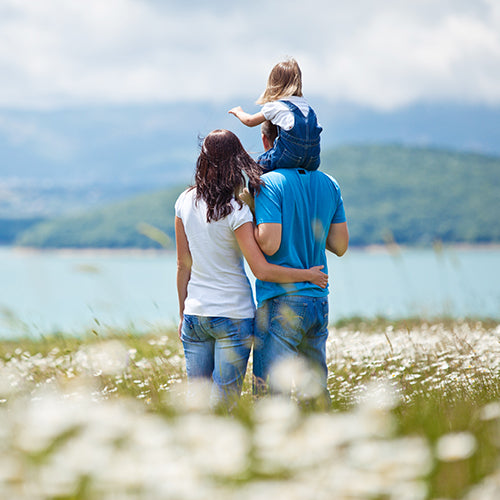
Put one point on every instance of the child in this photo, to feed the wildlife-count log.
(298, 141)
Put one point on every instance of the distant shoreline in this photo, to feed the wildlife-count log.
(88, 251)
(442, 248)
(391, 249)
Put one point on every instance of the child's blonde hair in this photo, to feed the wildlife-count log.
(285, 80)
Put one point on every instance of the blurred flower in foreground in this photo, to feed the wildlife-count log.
(292, 375)
(190, 397)
(488, 489)
(378, 396)
(455, 446)
(491, 411)
(109, 357)
(141, 433)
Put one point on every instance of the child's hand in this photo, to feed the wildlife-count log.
(318, 277)
(247, 119)
(235, 111)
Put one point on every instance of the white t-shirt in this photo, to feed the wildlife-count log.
(218, 285)
(280, 114)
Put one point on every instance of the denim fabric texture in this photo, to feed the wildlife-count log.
(290, 326)
(218, 348)
(298, 147)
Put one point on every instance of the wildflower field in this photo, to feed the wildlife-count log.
(415, 415)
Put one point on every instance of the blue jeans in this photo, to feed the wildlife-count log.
(218, 348)
(290, 326)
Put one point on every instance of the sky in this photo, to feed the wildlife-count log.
(384, 55)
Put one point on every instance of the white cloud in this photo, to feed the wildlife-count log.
(59, 53)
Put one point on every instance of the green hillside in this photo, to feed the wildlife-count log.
(11, 228)
(417, 195)
(144, 221)
(414, 196)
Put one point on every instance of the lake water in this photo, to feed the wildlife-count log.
(74, 291)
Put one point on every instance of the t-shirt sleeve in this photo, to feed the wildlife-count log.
(279, 114)
(240, 216)
(269, 110)
(179, 204)
(339, 214)
(268, 203)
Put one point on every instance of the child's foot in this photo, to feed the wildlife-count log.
(247, 198)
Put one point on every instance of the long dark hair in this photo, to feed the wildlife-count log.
(220, 170)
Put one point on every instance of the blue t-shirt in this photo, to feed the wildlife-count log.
(305, 203)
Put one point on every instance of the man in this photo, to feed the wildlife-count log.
(299, 214)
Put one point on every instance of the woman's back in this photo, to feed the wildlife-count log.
(218, 285)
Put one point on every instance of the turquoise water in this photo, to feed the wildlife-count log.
(74, 291)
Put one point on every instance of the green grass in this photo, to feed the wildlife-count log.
(415, 414)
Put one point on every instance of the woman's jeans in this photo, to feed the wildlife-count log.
(218, 348)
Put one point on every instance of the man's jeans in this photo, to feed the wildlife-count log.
(290, 326)
(218, 348)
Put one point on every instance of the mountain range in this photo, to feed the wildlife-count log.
(63, 163)
(392, 194)
(139, 147)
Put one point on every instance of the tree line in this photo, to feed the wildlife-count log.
(392, 193)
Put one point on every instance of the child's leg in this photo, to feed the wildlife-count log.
(311, 163)
(265, 161)
(280, 157)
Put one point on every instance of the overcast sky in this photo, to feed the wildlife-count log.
(382, 54)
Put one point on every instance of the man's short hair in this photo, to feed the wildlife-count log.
(269, 130)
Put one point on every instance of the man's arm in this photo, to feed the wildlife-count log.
(337, 240)
(268, 236)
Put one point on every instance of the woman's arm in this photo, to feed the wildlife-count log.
(246, 118)
(184, 262)
(265, 271)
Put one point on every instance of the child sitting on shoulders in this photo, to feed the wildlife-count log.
(298, 142)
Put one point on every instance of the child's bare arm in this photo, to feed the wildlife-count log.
(246, 118)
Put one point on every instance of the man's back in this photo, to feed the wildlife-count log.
(305, 204)
(299, 214)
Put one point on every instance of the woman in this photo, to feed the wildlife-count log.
(214, 229)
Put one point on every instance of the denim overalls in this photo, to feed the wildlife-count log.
(297, 147)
